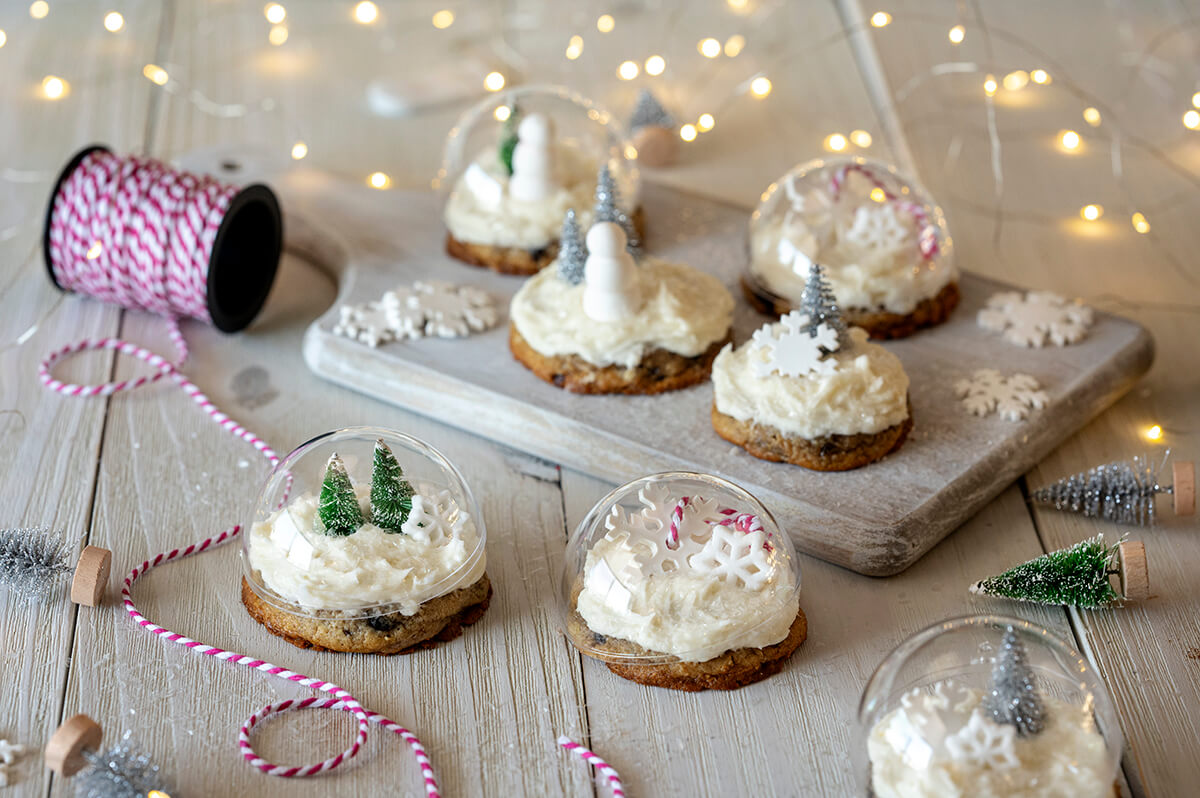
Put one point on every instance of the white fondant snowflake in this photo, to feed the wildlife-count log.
(878, 226)
(732, 554)
(983, 743)
(428, 308)
(792, 351)
(435, 518)
(407, 320)
(10, 752)
(1035, 318)
(988, 390)
(367, 323)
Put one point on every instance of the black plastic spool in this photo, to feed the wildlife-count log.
(245, 253)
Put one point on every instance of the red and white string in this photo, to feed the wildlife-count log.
(606, 771)
(154, 246)
(743, 522)
(927, 239)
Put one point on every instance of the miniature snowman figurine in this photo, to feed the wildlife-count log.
(612, 291)
(533, 178)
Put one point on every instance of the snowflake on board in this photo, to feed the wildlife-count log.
(983, 743)
(9, 754)
(987, 391)
(435, 518)
(427, 308)
(367, 323)
(1035, 318)
(793, 351)
(877, 226)
(731, 554)
(405, 320)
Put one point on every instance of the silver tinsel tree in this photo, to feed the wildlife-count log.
(1121, 492)
(821, 305)
(1013, 697)
(608, 209)
(572, 254)
(649, 112)
(120, 772)
(32, 560)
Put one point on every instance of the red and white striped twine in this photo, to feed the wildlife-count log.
(153, 253)
(927, 239)
(744, 522)
(606, 771)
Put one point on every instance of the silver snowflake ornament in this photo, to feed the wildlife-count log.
(1012, 397)
(791, 350)
(1035, 318)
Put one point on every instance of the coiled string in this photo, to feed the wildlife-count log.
(136, 233)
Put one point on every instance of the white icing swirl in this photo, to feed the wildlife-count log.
(685, 311)
(867, 393)
(371, 566)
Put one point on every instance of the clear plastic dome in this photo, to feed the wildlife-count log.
(477, 166)
(678, 567)
(968, 707)
(881, 237)
(418, 537)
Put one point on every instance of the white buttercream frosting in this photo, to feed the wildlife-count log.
(869, 250)
(866, 393)
(530, 225)
(911, 758)
(371, 567)
(684, 311)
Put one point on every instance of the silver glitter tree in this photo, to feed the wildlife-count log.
(608, 209)
(1013, 697)
(1122, 492)
(649, 112)
(572, 254)
(821, 305)
(32, 561)
(122, 771)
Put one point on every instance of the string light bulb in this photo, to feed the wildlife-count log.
(156, 74)
(94, 250)
(1040, 77)
(443, 19)
(705, 122)
(605, 23)
(157, 794)
(274, 13)
(1069, 140)
(1191, 120)
(278, 35)
(737, 5)
(709, 48)
(1154, 433)
(379, 180)
(494, 81)
(835, 142)
(760, 87)
(957, 34)
(55, 88)
(299, 150)
(113, 21)
(734, 45)
(880, 19)
(688, 132)
(39, 9)
(1016, 80)
(860, 138)
(1091, 213)
(366, 12)
(502, 113)
(628, 70)
(989, 85)
(1140, 224)
(655, 65)
(877, 194)
(3, 37)
(574, 47)
(1091, 116)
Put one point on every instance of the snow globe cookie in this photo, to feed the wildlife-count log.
(881, 236)
(365, 540)
(515, 163)
(811, 391)
(987, 706)
(601, 321)
(685, 581)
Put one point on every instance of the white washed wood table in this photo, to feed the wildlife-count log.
(145, 472)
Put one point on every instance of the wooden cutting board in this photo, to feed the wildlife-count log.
(876, 520)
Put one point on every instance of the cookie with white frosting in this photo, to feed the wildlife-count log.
(614, 325)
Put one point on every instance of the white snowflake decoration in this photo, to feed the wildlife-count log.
(1035, 318)
(987, 391)
(429, 308)
(732, 554)
(983, 743)
(367, 323)
(790, 350)
(878, 226)
(435, 518)
(9, 753)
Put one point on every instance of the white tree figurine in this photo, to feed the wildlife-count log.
(612, 291)
(533, 161)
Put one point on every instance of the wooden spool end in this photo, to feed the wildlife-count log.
(91, 576)
(1184, 479)
(1135, 574)
(656, 146)
(64, 751)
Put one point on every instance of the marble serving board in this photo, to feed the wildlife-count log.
(876, 520)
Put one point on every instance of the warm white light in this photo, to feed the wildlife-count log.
(274, 13)
(734, 45)
(878, 195)
(94, 251)
(3, 37)
(880, 19)
(379, 180)
(574, 48)
(366, 12)
(835, 142)
(688, 132)
(278, 35)
(299, 150)
(706, 122)
(156, 74)
(502, 113)
(1040, 77)
(1140, 224)
(860, 138)
(54, 88)
(494, 81)
(989, 85)
(1069, 140)
(655, 65)
(1154, 433)
(39, 9)
(113, 21)
(957, 34)
(631, 152)
(1191, 120)
(1091, 116)
(760, 87)
(605, 23)
(1015, 81)
(1091, 212)
(737, 5)
(443, 19)
(709, 48)
(628, 70)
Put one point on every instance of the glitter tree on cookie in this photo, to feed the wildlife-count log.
(339, 512)
(1012, 698)
(572, 255)
(820, 305)
(608, 209)
(391, 495)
